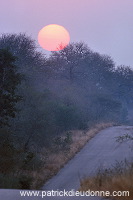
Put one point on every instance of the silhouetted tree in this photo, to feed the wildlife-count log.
(66, 62)
(9, 80)
(29, 61)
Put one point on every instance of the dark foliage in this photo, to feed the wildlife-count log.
(9, 80)
(74, 88)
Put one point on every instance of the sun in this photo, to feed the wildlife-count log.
(53, 37)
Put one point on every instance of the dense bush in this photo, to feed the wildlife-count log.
(71, 89)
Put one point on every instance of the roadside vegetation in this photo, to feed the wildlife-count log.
(51, 106)
(117, 178)
(30, 170)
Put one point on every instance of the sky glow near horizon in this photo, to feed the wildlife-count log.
(106, 26)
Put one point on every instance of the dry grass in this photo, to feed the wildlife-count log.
(111, 182)
(80, 138)
(52, 160)
(56, 161)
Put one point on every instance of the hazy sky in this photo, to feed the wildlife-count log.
(105, 25)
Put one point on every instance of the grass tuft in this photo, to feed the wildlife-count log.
(120, 178)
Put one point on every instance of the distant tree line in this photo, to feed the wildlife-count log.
(41, 97)
(73, 88)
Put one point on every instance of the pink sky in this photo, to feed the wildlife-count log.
(105, 25)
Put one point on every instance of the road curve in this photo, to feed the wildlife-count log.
(100, 152)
